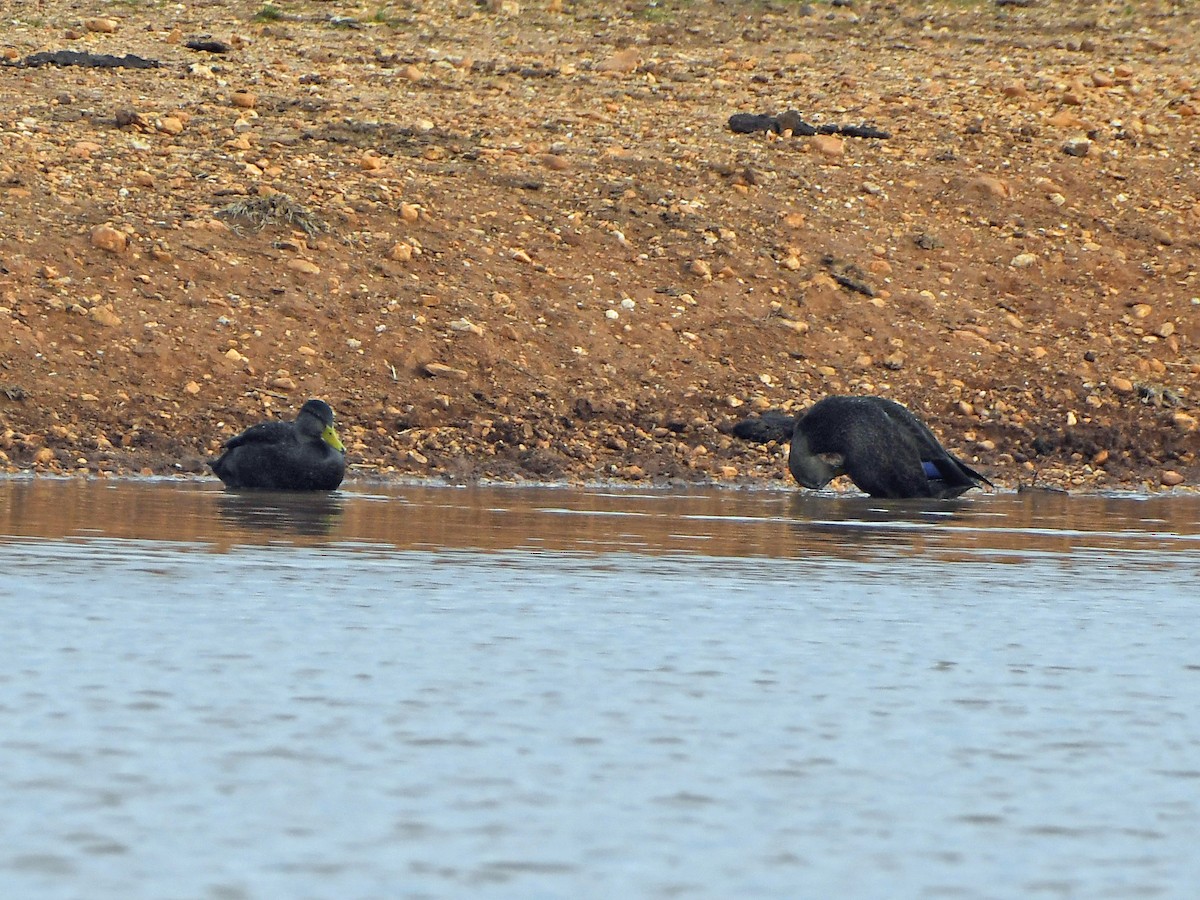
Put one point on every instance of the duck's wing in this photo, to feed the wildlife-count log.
(262, 433)
(945, 465)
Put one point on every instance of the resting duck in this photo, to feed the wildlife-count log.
(304, 455)
(884, 448)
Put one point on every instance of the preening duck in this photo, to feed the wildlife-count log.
(884, 448)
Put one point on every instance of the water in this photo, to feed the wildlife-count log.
(544, 693)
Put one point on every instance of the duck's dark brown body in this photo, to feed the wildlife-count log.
(879, 444)
(304, 455)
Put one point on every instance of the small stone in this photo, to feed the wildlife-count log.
(412, 72)
(419, 458)
(401, 252)
(701, 268)
(1023, 261)
(169, 125)
(1184, 422)
(409, 212)
(191, 387)
(104, 315)
(894, 361)
(244, 99)
(1171, 478)
(304, 266)
(43, 457)
(623, 61)
(1077, 147)
(1121, 385)
(283, 383)
(1064, 118)
(465, 325)
(990, 186)
(734, 402)
(232, 354)
(829, 145)
(1014, 89)
(100, 25)
(1102, 79)
(965, 408)
(440, 370)
(109, 239)
(370, 161)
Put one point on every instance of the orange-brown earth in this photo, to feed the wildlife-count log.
(520, 240)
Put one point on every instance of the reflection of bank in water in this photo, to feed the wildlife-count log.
(313, 514)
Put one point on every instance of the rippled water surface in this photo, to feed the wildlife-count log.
(543, 693)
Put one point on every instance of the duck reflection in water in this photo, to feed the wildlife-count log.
(310, 514)
(884, 449)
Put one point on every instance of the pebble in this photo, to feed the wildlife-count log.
(1077, 147)
(304, 266)
(440, 370)
(244, 99)
(100, 25)
(401, 252)
(109, 239)
(465, 325)
(105, 316)
(623, 61)
(1023, 261)
(829, 145)
(1171, 478)
(1121, 385)
(990, 186)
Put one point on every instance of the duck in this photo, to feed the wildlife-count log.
(303, 455)
(886, 450)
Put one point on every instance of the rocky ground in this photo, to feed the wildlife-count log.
(521, 241)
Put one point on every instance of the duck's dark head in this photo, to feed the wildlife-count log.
(813, 470)
(316, 420)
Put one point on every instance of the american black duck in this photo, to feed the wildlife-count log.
(884, 448)
(304, 455)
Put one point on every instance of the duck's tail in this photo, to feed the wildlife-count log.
(765, 428)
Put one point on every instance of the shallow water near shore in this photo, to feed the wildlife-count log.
(419, 691)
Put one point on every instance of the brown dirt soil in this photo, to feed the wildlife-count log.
(521, 241)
